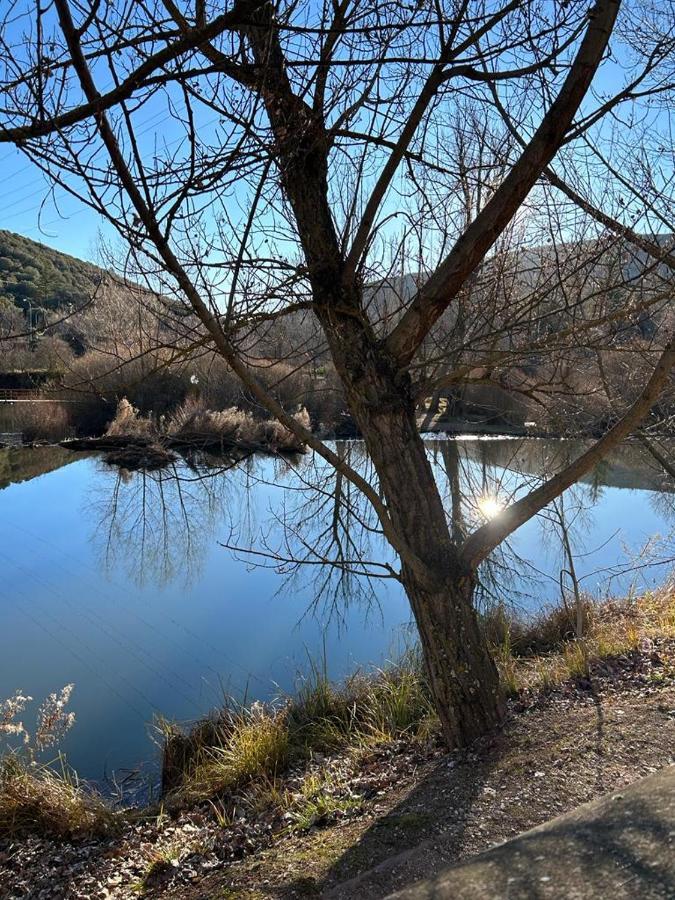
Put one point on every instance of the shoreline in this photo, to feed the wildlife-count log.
(340, 765)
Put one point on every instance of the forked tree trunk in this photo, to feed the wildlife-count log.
(462, 674)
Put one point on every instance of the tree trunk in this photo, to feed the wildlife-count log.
(462, 675)
(463, 678)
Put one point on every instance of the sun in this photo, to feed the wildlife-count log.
(489, 506)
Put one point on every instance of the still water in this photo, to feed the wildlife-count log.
(140, 590)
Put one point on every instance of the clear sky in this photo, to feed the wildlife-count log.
(29, 209)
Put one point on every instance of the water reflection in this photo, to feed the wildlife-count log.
(603, 521)
(156, 526)
(157, 593)
(307, 523)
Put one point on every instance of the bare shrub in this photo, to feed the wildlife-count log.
(219, 386)
(97, 384)
(156, 389)
(37, 421)
(129, 423)
(193, 421)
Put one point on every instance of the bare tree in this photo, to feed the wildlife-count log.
(331, 129)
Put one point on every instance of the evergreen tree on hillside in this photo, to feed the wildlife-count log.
(35, 274)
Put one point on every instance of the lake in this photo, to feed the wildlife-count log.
(139, 588)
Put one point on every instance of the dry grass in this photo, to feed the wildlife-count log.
(193, 424)
(254, 748)
(257, 746)
(44, 800)
(548, 630)
(193, 421)
(612, 629)
(129, 423)
(251, 756)
(37, 421)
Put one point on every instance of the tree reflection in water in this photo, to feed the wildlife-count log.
(300, 517)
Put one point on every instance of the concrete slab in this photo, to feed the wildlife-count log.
(619, 847)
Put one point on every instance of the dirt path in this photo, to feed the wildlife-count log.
(547, 761)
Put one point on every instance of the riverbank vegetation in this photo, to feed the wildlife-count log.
(98, 339)
(294, 763)
(133, 441)
(520, 287)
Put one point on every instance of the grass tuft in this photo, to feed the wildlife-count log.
(255, 748)
(322, 799)
(42, 800)
(256, 745)
(612, 629)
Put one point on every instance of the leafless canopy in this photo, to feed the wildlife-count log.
(272, 158)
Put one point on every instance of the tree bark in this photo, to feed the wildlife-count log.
(463, 677)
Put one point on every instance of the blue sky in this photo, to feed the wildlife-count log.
(71, 228)
(63, 222)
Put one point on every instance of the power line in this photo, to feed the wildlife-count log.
(85, 208)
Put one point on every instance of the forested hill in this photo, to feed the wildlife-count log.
(46, 278)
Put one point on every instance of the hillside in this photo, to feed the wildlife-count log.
(31, 272)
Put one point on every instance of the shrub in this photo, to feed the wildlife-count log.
(37, 421)
(128, 423)
(41, 800)
(193, 421)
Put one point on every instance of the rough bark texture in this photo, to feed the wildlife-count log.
(462, 675)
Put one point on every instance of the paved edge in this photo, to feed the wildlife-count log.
(620, 846)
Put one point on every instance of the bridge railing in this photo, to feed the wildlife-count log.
(19, 394)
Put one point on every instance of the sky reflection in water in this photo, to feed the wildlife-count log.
(122, 586)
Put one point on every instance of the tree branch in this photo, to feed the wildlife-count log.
(191, 40)
(484, 540)
(435, 296)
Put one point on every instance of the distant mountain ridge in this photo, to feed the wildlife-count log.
(35, 274)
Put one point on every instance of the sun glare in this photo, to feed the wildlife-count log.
(489, 506)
